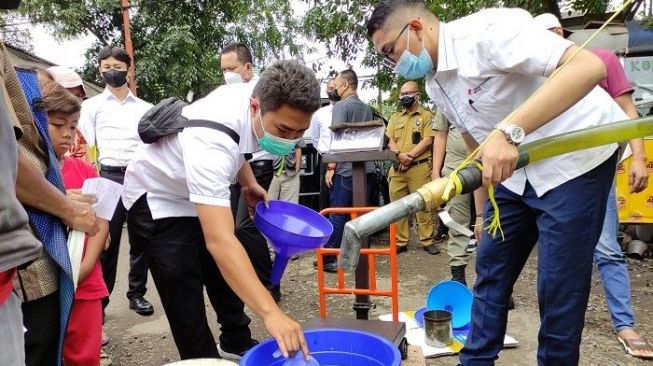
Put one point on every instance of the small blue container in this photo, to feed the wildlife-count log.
(333, 347)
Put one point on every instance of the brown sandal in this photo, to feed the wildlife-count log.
(634, 347)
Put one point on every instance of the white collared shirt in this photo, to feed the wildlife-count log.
(112, 125)
(197, 165)
(320, 132)
(489, 63)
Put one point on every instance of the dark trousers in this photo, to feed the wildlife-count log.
(254, 242)
(566, 222)
(341, 196)
(373, 189)
(109, 258)
(181, 267)
(41, 319)
(325, 201)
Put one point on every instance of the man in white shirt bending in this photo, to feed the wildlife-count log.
(177, 191)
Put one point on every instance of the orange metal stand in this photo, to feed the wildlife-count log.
(371, 289)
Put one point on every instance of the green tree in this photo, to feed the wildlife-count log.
(176, 43)
(340, 26)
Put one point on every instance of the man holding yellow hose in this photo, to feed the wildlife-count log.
(608, 256)
(481, 71)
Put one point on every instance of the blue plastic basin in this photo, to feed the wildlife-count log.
(333, 347)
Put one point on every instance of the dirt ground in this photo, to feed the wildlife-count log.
(137, 340)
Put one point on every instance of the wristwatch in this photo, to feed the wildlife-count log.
(514, 134)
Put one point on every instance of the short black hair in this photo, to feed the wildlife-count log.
(288, 82)
(242, 52)
(116, 52)
(386, 8)
(350, 77)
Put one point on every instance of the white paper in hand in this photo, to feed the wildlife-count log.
(107, 193)
(75, 252)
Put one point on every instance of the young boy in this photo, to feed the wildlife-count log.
(83, 337)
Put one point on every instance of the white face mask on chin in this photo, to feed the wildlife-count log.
(232, 77)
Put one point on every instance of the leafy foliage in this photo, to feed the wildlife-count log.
(340, 26)
(176, 43)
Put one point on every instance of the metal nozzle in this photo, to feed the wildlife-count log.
(428, 197)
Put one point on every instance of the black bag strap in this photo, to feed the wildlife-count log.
(216, 126)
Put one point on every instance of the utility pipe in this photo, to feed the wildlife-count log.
(430, 196)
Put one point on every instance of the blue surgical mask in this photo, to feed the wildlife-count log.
(412, 67)
(273, 144)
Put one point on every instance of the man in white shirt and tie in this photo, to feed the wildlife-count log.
(109, 121)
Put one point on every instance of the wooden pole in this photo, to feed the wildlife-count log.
(128, 44)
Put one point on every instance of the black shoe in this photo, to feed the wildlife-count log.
(472, 246)
(234, 354)
(442, 234)
(141, 306)
(458, 274)
(331, 267)
(275, 291)
(511, 303)
(432, 249)
(401, 248)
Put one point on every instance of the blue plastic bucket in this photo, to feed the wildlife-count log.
(333, 347)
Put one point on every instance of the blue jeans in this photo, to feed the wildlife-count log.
(341, 196)
(611, 264)
(567, 222)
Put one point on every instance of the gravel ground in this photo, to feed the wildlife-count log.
(137, 340)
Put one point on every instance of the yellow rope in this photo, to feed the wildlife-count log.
(495, 224)
(283, 165)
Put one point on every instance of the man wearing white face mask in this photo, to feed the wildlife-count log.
(177, 190)
(237, 66)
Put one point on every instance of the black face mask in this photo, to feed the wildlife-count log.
(333, 95)
(407, 101)
(9, 4)
(115, 78)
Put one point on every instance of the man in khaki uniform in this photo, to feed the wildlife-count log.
(411, 136)
(449, 151)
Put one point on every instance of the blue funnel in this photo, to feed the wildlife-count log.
(453, 297)
(291, 229)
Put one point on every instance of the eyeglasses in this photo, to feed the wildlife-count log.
(387, 61)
